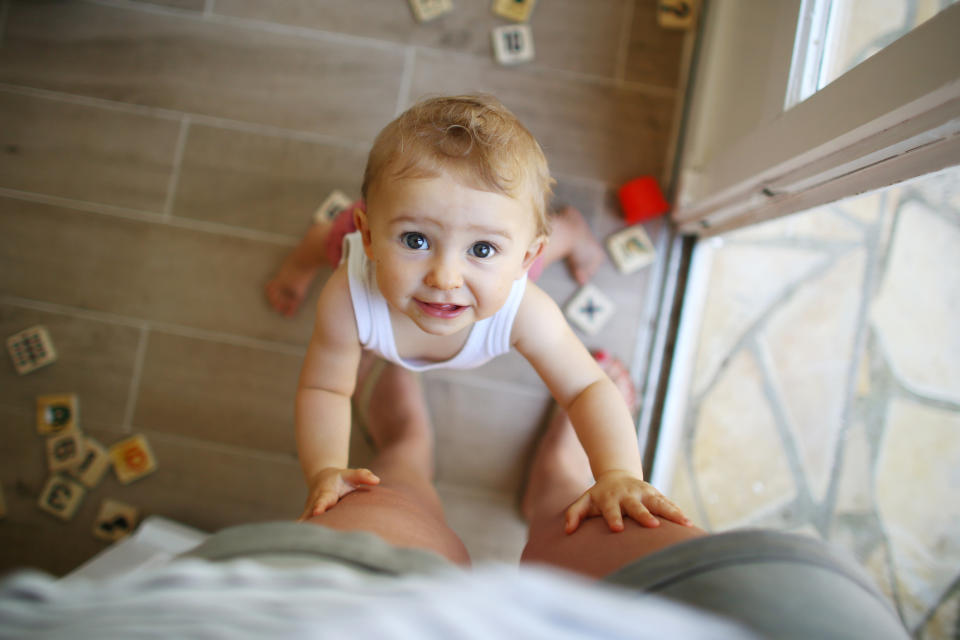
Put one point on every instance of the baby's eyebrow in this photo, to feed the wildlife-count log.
(489, 231)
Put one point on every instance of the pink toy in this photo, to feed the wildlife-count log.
(641, 199)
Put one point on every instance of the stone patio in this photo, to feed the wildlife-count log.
(825, 396)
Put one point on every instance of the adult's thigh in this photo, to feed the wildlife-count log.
(398, 518)
(593, 550)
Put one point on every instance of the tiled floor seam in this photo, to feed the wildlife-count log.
(623, 50)
(172, 329)
(406, 80)
(250, 24)
(195, 118)
(133, 391)
(218, 447)
(150, 217)
(175, 170)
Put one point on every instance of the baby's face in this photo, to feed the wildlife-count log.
(446, 255)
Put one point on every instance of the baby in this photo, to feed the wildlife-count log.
(454, 217)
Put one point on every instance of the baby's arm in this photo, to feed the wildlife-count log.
(327, 382)
(599, 415)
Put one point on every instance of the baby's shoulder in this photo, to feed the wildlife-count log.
(335, 295)
(537, 316)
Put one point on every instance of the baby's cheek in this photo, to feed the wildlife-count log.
(492, 300)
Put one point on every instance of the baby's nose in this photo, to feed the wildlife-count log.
(444, 276)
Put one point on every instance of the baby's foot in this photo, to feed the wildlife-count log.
(287, 289)
(585, 254)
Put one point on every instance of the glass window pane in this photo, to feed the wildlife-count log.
(825, 393)
(834, 36)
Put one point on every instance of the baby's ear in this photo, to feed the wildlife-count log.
(363, 226)
(535, 251)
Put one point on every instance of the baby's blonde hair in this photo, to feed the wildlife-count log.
(473, 137)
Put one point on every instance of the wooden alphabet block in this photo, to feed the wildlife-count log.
(61, 497)
(31, 349)
(115, 520)
(677, 14)
(426, 10)
(513, 43)
(631, 249)
(64, 450)
(589, 309)
(57, 413)
(93, 464)
(132, 459)
(516, 10)
(336, 202)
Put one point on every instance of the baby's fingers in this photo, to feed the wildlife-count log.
(360, 476)
(611, 513)
(663, 507)
(577, 513)
(318, 505)
(636, 510)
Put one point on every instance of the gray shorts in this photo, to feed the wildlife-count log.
(294, 544)
(779, 585)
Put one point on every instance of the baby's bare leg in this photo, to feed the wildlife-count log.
(288, 287)
(404, 509)
(573, 241)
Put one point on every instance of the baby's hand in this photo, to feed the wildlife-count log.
(617, 492)
(329, 485)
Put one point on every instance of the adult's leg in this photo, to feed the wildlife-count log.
(559, 474)
(404, 509)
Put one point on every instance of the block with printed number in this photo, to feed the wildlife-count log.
(513, 43)
(631, 249)
(64, 450)
(57, 413)
(93, 464)
(677, 14)
(336, 202)
(517, 10)
(426, 10)
(589, 309)
(115, 520)
(61, 497)
(31, 349)
(132, 459)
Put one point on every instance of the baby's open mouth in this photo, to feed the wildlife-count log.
(438, 310)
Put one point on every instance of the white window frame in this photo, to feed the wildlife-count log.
(745, 159)
(893, 117)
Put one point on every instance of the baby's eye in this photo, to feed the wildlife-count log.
(482, 250)
(414, 240)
